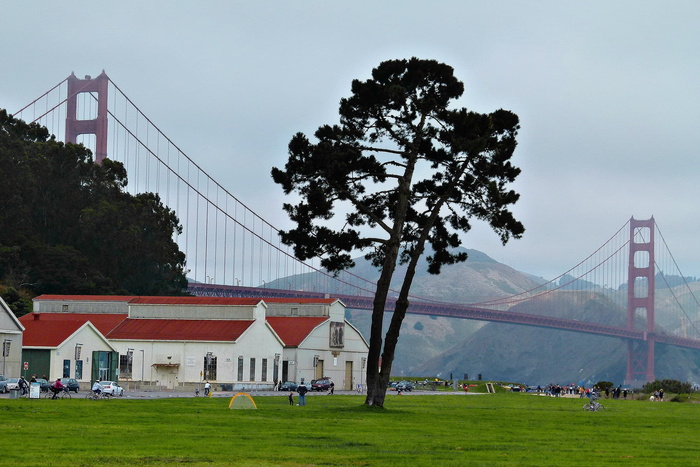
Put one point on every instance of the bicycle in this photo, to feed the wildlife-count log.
(593, 405)
(61, 394)
(95, 396)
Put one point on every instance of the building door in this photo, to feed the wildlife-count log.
(39, 362)
(285, 371)
(104, 365)
(319, 370)
(348, 376)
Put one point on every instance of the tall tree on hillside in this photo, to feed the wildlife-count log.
(405, 170)
(68, 226)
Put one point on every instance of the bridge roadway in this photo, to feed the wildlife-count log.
(451, 310)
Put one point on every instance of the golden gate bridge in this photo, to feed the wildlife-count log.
(233, 251)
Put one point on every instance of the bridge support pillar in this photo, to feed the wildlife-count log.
(96, 126)
(640, 301)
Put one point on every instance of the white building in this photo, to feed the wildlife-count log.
(10, 341)
(175, 342)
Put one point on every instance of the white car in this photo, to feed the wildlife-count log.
(112, 388)
(12, 383)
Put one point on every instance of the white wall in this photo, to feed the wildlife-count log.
(187, 358)
(91, 341)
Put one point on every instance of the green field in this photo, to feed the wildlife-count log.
(496, 429)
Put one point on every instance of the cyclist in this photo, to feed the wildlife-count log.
(56, 388)
(97, 388)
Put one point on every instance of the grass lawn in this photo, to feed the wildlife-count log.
(495, 429)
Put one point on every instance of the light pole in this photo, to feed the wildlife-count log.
(130, 363)
(78, 349)
(142, 357)
(5, 352)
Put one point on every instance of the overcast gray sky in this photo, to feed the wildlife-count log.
(607, 93)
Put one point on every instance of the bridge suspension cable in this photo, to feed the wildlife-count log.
(226, 242)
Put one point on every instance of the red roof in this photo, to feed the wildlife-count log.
(87, 298)
(180, 329)
(51, 329)
(155, 300)
(293, 330)
(327, 301)
(196, 301)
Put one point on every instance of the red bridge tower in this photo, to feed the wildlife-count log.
(96, 126)
(640, 300)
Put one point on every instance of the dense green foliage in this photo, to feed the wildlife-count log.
(67, 226)
(450, 430)
(19, 305)
(670, 386)
(407, 171)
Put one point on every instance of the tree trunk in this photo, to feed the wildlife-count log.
(376, 389)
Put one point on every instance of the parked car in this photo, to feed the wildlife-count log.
(289, 386)
(72, 384)
(44, 384)
(12, 383)
(112, 388)
(323, 384)
(404, 386)
(3, 384)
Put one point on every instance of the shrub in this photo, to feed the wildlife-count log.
(604, 385)
(669, 386)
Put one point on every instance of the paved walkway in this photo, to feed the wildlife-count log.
(229, 394)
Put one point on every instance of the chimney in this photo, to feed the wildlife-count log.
(36, 316)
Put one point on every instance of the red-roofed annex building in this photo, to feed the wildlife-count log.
(175, 342)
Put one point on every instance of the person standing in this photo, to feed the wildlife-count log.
(291, 398)
(302, 390)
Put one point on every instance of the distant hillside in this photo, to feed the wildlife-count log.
(539, 356)
(425, 337)
(436, 346)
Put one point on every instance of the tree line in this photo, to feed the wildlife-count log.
(67, 225)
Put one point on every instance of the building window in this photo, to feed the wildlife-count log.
(240, 368)
(79, 369)
(64, 307)
(295, 311)
(209, 367)
(66, 368)
(125, 366)
(337, 337)
(252, 369)
(263, 375)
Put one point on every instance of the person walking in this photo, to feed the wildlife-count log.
(331, 389)
(207, 388)
(23, 385)
(302, 390)
(291, 398)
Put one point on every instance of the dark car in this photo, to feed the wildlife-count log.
(404, 386)
(289, 386)
(323, 384)
(72, 384)
(44, 384)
